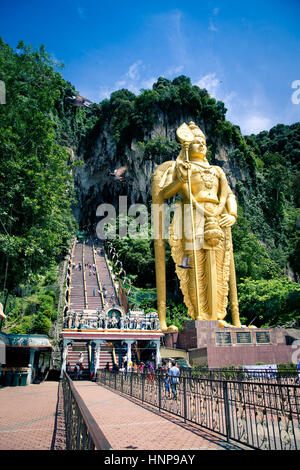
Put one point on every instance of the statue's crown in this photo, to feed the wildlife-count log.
(196, 130)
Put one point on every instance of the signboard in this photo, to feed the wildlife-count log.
(29, 340)
(223, 338)
(264, 371)
(263, 337)
(243, 337)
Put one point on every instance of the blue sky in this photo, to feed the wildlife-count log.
(244, 53)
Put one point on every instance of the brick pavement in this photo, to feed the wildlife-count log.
(31, 417)
(131, 426)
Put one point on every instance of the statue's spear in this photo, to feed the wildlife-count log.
(186, 137)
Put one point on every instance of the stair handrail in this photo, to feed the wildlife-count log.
(98, 278)
(84, 280)
(110, 275)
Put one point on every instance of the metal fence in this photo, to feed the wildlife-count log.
(82, 431)
(281, 376)
(259, 415)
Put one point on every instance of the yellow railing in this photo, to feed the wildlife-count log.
(98, 278)
(84, 281)
(112, 279)
(70, 278)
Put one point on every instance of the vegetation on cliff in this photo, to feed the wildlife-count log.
(36, 188)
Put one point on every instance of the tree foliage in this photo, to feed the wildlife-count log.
(36, 188)
(270, 302)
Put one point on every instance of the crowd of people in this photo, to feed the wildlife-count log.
(169, 372)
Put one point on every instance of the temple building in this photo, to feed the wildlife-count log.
(24, 359)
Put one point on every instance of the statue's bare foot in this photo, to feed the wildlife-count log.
(168, 329)
(172, 329)
(224, 324)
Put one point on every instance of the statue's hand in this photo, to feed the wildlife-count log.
(227, 220)
(182, 170)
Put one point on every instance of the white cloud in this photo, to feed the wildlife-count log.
(133, 71)
(131, 80)
(173, 33)
(254, 123)
(212, 27)
(252, 114)
(121, 84)
(104, 92)
(81, 13)
(210, 82)
(173, 71)
(148, 83)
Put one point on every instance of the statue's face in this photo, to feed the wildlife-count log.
(198, 148)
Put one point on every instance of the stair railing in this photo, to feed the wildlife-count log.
(98, 278)
(84, 280)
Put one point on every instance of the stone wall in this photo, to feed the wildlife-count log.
(215, 347)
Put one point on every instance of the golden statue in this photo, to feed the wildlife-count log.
(200, 233)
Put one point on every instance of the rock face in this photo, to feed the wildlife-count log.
(96, 185)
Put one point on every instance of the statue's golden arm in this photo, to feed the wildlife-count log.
(172, 189)
(227, 202)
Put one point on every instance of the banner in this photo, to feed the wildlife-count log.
(266, 371)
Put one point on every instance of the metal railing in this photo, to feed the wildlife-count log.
(259, 415)
(82, 431)
(281, 376)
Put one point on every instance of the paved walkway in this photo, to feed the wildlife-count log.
(31, 417)
(128, 425)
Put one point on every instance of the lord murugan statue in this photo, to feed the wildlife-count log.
(200, 232)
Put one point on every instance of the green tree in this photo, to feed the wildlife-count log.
(269, 302)
(36, 188)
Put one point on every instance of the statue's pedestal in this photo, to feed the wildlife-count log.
(215, 347)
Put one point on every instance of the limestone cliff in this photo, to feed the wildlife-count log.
(96, 184)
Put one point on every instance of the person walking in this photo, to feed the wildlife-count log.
(174, 373)
(167, 385)
(76, 371)
(80, 361)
